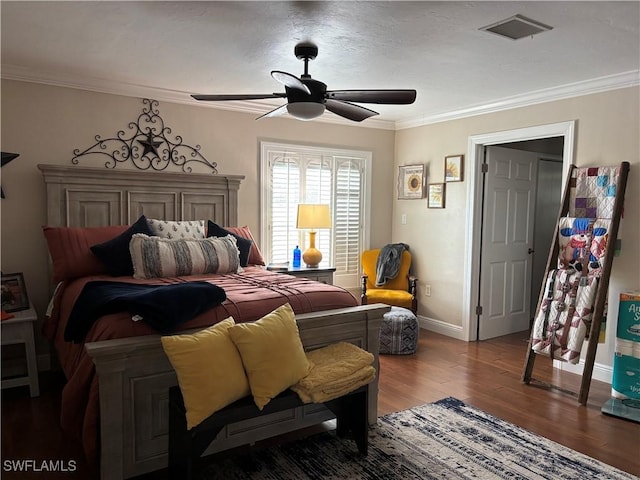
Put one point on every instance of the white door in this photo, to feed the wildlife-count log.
(507, 242)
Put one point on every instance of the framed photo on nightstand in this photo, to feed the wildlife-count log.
(14, 293)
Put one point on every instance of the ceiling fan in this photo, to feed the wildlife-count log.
(307, 98)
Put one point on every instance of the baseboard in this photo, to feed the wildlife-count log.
(603, 373)
(443, 328)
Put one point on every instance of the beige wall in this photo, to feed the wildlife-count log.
(607, 132)
(44, 124)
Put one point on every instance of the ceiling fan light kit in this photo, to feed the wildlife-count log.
(305, 110)
(308, 98)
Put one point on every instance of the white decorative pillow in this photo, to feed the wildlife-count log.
(175, 230)
(155, 257)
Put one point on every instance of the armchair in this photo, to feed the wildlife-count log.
(400, 291)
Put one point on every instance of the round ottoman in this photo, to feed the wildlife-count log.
(399, 332)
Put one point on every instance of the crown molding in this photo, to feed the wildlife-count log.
(587, 87)
(94, 84)
(100, 85)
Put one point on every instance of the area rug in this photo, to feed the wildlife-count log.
(443, 440)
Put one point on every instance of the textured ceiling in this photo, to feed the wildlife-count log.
(437, 48)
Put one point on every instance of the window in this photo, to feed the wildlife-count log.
(294, 174)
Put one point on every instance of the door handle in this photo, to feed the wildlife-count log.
(530, 251)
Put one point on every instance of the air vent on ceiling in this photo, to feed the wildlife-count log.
(516, 27)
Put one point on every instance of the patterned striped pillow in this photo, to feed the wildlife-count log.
(154, 257)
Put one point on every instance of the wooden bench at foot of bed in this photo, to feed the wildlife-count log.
(186, 446)
(135, 376)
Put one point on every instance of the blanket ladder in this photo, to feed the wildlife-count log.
(573, 205)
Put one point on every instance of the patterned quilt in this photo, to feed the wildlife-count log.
(593, 192)
(564, 318)
(583, 242)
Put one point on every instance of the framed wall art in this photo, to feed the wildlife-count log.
(14, 293)
(453, 168)
(410, 181)
(436, 195)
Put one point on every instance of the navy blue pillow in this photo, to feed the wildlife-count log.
(244, 245)
(115, 253)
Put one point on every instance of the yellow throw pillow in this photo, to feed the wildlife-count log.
(272, 353)
(209, 370)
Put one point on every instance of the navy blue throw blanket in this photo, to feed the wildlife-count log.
(163, 307)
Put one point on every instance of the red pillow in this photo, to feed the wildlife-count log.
(255, 256)
(71, 253)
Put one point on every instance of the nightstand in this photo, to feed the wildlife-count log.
(320, 274)
(19, 329)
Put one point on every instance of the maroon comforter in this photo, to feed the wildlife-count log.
(250, 295)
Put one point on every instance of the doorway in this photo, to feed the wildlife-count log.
(473, 249)
(520, 205)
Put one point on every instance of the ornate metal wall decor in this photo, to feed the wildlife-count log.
(147, 145)
(6, 158)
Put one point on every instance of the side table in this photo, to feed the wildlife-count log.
(19, 329)
(320, 274)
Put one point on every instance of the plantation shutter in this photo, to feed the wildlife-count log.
(318, 188)
(285, 181)
(296, 174)
(347, 218)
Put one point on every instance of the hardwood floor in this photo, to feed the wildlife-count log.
(487, 375)
(483, 374)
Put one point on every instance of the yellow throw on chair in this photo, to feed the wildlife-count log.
(399, 291)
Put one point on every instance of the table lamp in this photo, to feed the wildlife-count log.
(313, 216)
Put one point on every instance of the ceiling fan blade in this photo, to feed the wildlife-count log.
(275, 112)
(218, 98)
(389, 97)
(349, 110)
(290, 81)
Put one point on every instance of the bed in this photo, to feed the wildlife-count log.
(118, 376)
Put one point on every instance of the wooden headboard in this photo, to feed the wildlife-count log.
(93, 197)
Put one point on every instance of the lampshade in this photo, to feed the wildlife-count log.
(313, 216)
(305, 110)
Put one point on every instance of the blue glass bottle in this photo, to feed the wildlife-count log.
(296, 257)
